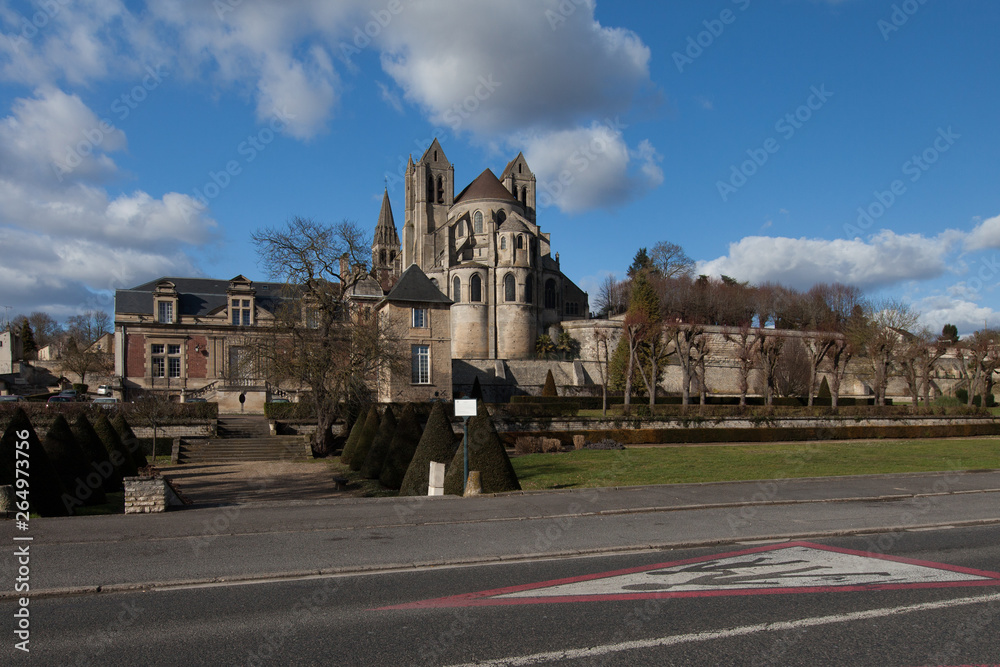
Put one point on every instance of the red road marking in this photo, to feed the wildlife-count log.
(489, 597)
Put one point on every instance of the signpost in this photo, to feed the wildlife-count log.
(465, 408)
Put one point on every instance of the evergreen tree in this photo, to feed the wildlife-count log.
(549, 389)
(130, 441)
(371, 468)
(365, 439)
(71, 466)
(486, 454)
(477, 390)
(824, 389)
(438, 443)
(94, 450)
(641, 263)
(401, 449)
(28, 345)
(46, 490)
(949, 333)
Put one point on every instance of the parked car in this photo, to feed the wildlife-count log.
(196, 400)
(106, 401)
(11, 399)
(60, 399)
(104, 390)
(69, 393)
(280, 400)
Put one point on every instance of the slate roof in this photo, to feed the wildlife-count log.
(385, 229)
(486, 186)
(512, 224)
(196, 296)
(415, 286)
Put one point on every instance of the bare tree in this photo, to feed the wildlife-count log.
(880, 336)
(88, 326)
(746, 356)
(612, 296)
(793, 372)
(840, 355)
(670, 260)
(916, 360)
(684, 338)
(981, 356)
(84, 360)
(769, 348)
(321, 341)
(817, 346)
(603, 358)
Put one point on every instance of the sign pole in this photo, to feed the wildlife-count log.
(465, 408)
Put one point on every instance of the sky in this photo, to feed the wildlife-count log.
(792, 141)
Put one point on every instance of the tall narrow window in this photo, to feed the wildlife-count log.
(420, 369)
(241, 312)
(478, 222)
(503, 242)
(476, 288)
(529, 289)
(173, 361)
(440, 190)
(420, 318)
(520, 242)
(157, 360)
(524, 196)
(430, 188)
(456, 290)
(166, 312)
(509, 288)
(550, 293)
(501, 217)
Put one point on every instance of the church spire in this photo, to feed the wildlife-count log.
(386, 246)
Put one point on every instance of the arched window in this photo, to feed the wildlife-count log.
(520, 242)
(503, 242)
(475, 288)
(524, 196)
(550, 293)
(430, 188)
(392, 255)
(381, 257)
(529, 289)
(509, 288)
(478, 222)
(501, 217)
(456, 290)
(440, 190)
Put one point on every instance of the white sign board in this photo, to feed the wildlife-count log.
(465, 407)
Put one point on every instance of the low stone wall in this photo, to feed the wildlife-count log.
(145, 495)
(200, 430)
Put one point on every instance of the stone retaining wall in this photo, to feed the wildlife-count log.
(145, 495)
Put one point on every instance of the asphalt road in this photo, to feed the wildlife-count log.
(342, 620)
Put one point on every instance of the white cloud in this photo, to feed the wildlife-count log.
(885, 259)
(589, 167)
(968, 316)
(984, 235)
(63, 238)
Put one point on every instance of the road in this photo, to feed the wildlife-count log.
(888, 570)
(341, 619)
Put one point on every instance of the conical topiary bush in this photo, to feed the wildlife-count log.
(365, 439)
(44, 491)
(401, 449)
(477, 390)
(486, 454)
(97, 456)
(371, 468)
(129, 441)
(549, 389)
(117, 453)
(352, 440)
(71, 466)
(437, 443)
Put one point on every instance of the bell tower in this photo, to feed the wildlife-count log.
(430, 194)
(386, 259)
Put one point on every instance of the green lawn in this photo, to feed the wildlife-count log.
(679, 464)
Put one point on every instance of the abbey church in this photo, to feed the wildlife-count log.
(483, 250)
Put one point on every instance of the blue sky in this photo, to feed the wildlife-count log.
(145, 140)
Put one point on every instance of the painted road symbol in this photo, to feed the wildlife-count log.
(791, 567)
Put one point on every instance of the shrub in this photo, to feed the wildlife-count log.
(92, 448)
(80, 389)
(487, 455)
(962, 395)
(303, 410)
(371, 467)
(365, 439)
(438, 443)
(352, 442)
(550, 445)
(527, 444)
(71, 466)
(47, 490)
(947, 402)
(549, 390)
(401, 449)
(117, 453)
(129, 441)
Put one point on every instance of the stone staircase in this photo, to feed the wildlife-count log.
(244, 439)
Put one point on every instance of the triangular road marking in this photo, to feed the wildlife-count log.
(790, 567)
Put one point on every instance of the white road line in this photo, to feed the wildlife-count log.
(596, 651)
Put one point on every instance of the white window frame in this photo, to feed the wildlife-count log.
(420, 364)
(419, 318)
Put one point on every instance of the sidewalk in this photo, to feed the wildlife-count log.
(323, 536)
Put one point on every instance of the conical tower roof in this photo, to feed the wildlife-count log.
(385, 230)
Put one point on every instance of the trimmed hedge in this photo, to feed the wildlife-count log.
(401, 449)
(46, 489)
(487, 455)
(352, 441)
(304, 410)
(72, 467)
(120, 457)
(130, 441)
(94, 450)
(365, 439)
(371, 468)
(438, 443)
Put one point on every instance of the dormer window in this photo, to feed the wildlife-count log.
(165, 303)
(165, 312)
(241, 312)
